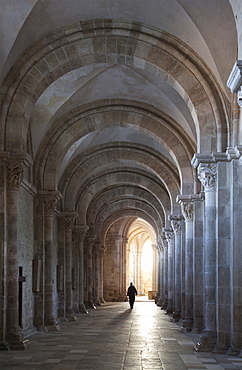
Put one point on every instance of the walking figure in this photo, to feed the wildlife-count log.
(132, 292)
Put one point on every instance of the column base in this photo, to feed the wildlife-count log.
(15, 340)
(187, 325)
(169, 310)
(91, 304)
(221, 350)
(4, 347)
(97, 302)
(102, 300)
(159, 302)
(42, 328)
(176, 315)
(234, 352)
(207, 342)
(82, 308)
(54, 327)
(71, 317)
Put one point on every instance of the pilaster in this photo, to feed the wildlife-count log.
(81, 231)
(170, 268)
(90, 239)
(176, 224)
(16, 165)
(187, 211)
(69, 225)
(165, 274)
(50, 199)
(207, 174)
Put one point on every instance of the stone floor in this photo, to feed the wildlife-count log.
(115, 337)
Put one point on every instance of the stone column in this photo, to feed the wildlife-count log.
(176, 223)
(3, 266)
(198, 208)
(101, 256)
(160, 294)
(69, 224)
(207, 174)
(14, 335)
(170, 238)
(50, 202)
(165, 274)
(81, 231)
(61, 269)
(90, 243)
(96, 274)
(187, 211)
(124, 267)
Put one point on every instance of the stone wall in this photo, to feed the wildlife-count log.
(237, 9)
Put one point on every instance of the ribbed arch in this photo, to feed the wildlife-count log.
(83, 168)
(143, 180)
(126, 214)
(140, 120)
(116, 193)
(75, 46)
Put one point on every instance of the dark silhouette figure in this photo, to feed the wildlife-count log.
(132, 292)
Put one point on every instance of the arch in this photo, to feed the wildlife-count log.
(167, 133)
(117, 192)
(119, 42)
(126, 214)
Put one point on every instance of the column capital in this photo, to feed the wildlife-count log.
(15, 174)
(169, 233)
(207, 174)
(164, 242)
(176, 223)
(81, 230)
(234, 81)
(51, 198)
(69, 218)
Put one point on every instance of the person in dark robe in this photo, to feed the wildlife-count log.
(131, 293)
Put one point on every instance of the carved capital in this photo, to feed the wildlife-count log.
(169, 234)
(50, 206)
(164, 243)
(207, 174)
(81, 230)
(69, 223)
(234, 82)
(176, 223)
(187, 210)
(15, 173)
(176, 226)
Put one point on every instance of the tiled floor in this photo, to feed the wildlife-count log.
(115, 337)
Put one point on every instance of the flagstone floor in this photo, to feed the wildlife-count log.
(113, 337)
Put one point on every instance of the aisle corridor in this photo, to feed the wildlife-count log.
(115, 337)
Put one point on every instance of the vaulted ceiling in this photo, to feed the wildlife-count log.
(112, 98)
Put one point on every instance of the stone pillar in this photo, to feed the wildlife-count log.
(3, 256)
(81, 231)
(160, 294)
(198, 210)
(176, 223)
(236, 250)
(165, 274)
(14, 335)
(90, 239)
(125, 267)
(96, 274)
(101, 256)
(170, 238)
(61, 269)
(187, 211)
(69, 224)
(50, 202)
(207, 174)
